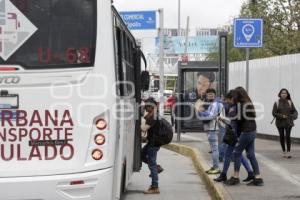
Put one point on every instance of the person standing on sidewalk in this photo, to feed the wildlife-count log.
(285, 113)
(213, 111)
(230, 119)
(247, 126)
(149, 151)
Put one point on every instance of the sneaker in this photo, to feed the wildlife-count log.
(232, 181)
(249, 178)
(209, 170)
(213, 171)
(289, 155)
(284, 155)
(256, 182)
(159, 169)
(221, 178)
(152, 190)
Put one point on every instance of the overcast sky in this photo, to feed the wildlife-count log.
(203, 13)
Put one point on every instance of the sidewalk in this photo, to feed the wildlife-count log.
(281, 175)
(178, 181)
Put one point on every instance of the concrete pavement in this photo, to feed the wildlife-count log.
(178, 181)
(281, 175)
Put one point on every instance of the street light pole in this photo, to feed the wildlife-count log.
(161, 61)
(179, 9)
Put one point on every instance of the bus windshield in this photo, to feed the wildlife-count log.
(48, 34)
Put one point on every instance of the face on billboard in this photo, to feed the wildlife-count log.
(203, 83)
(196, 83)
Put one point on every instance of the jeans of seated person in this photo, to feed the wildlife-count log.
(246, 142)
(222, 145)
(213, 142)
(149, 156)
(227, 160)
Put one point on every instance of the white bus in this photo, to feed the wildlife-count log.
(69, 97)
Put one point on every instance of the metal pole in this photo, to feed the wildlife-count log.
(161, 61)
(187, 36)
(179, 9)
(247, 69)
(178, 106)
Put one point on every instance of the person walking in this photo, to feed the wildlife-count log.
(247, 127)
(230, 119)
(149, 151)
(285, 113)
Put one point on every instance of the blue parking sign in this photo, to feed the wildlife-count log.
(248, 33)
(139, 20)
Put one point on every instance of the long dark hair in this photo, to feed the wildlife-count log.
(242, 98)
(288, 94)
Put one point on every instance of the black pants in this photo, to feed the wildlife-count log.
(285, 135)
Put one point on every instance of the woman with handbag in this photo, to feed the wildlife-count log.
(247, 127)
(285, 113)
(230, 139)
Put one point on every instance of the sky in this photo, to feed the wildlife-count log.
(203, 13)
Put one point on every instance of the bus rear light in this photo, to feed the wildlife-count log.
(97, 154)
(99, 139)
(101, 124)
(77, 182)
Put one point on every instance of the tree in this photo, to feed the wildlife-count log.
(281, 25)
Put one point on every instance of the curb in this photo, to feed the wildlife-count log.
(216, 191)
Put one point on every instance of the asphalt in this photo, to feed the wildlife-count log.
(281, 175)
(178, 181)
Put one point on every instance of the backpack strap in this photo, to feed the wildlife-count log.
(277, 103)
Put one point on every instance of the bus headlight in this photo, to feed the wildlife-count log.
(99, 139)
(97, 154)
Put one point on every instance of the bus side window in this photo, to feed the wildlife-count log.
(119, 63)
(129, 69)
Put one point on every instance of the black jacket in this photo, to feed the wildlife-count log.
(283, 107)
(153, 122)
(246, 118)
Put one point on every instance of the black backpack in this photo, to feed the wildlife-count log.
(165, 132)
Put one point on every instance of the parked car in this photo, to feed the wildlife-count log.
(169, 102)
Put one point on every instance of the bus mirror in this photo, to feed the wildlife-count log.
(145, 80)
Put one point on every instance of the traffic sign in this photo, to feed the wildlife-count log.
(139, 20)
(248, 33)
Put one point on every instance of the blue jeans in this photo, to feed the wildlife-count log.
(222, 145)
(246, 142)
(149, 156)
(213, 142)
(228, 154)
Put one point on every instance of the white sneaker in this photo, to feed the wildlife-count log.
(284, 155)
(289, 155)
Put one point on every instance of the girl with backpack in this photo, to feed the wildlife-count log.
(285, 113)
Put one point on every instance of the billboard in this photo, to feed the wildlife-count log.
(196, 44)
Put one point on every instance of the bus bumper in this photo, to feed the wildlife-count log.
(97, 186)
